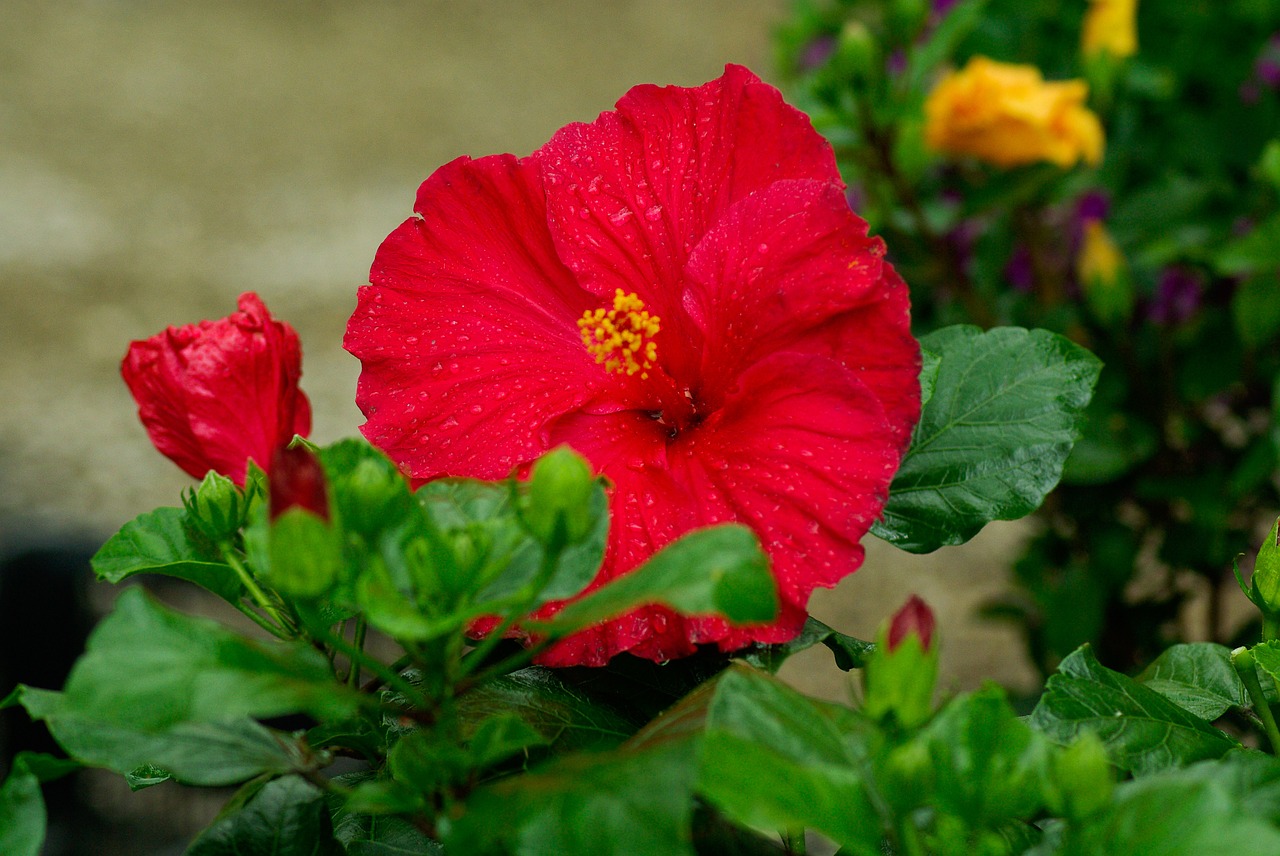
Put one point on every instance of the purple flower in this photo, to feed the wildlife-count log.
(817, 52)
(1177, 296)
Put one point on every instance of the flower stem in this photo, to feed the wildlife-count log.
(357, 656)
(1270, 629)
(793, 843)
(255, 591)
(353, 669)
(1246, 668)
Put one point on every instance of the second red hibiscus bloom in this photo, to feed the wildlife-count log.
(680, 292)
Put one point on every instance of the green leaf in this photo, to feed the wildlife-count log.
(771, 758)
(205, 753)
(561, 714)
(632, 801)
(499, 737)
(849, 652)
(1143, 731)
(287, 817)
(148, 667)
(718, 570)
(164, 542)
(987, 764)
(1256, 252)
(373, 835)
(1267, 656)
(23, 819)
(992, 441)
(1197, 677)
(1173, 814)
(1255, 309)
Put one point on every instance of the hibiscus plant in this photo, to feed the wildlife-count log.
(1108, 170)
(630, 400)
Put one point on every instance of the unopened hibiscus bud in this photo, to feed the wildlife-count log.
(216, 507)
(915, 617)
(304, 550)
(296, 480)
(900, 674)
(1082, 779)
(559, 490)
(216, 394)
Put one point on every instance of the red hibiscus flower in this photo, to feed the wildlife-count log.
(680, 292)
(215, 394)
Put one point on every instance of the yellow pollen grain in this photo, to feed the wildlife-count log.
(622, 337)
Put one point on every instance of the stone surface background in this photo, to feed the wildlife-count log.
(158, 158)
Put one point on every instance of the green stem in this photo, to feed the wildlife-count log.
(793, 842)
(353, 669)
(255, 591)
(909, 838)
(495, 636)
(1270, 628)
(389, 677)
(1246, 668)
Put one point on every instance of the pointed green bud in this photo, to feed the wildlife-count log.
(216, 507)
(856, 54)
(1266, 574)
(1082, 778)
(555, 508)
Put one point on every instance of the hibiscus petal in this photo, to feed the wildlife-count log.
(799, 451)
(468, 332)
(791, 268)
(632, 193)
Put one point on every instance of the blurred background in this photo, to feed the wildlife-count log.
(157, 159)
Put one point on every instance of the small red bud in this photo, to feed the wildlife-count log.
(916, 617)
(296, 479)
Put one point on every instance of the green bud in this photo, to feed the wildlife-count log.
(304, 554)
(857, 54)
(216, 507)
(900, 674)
(555, 508)
(372, 491)
(1082, 778)
(1266, 573)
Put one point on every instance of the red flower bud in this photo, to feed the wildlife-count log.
(215, 394)
(296, 480)
(916, 617)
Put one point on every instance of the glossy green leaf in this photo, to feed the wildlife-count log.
(286, 817)
(771, 758)
(627, 802)
(198, 753)
(718, 570)
(164, 542)
(561, 714)
(987, 764)
(149, 667)
(1143, 731)
(1173, 814)
(848, 651)
(991, 443)
(374, 835)
(1197, 677)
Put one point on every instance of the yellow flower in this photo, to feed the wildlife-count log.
(1109, 27)
(1104, 275)
(1009, 115)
